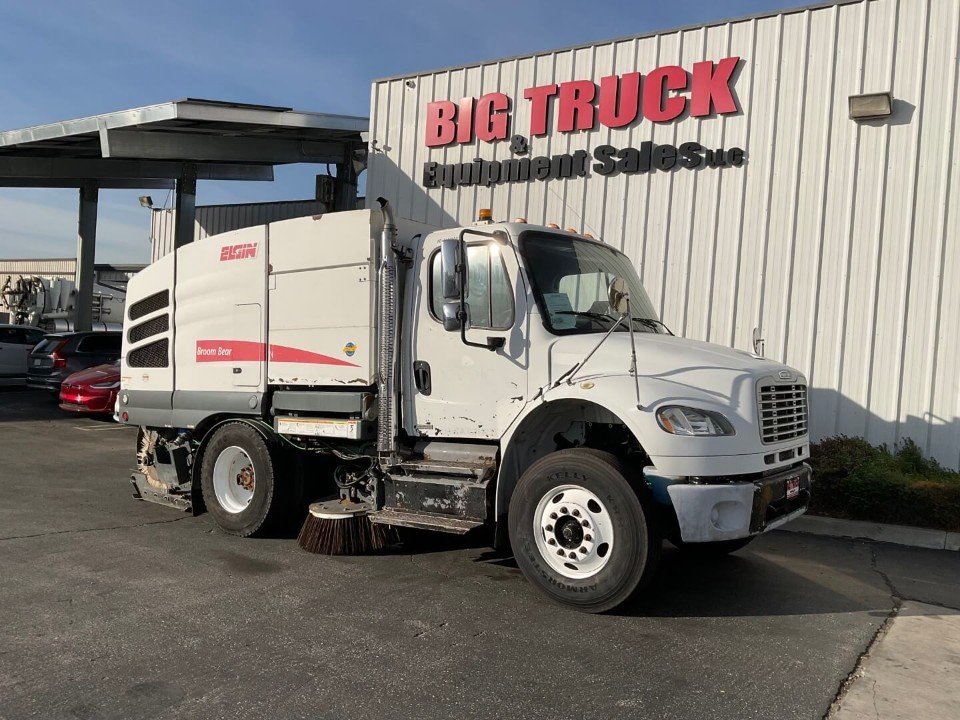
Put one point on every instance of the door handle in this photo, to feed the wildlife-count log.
(421, 376)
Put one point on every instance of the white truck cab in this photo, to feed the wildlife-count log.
(501, 374)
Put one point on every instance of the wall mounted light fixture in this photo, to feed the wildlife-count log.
(871, 106)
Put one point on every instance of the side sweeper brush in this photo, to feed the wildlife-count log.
(341, 527)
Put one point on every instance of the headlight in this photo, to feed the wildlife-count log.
(106, 385)
(678, 420)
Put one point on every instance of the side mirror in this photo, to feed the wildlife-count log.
(451, 316)
(618, 294)
(452, 277)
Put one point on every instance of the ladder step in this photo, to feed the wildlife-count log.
(424, 521)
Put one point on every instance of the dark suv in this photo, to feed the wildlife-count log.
(57, 356)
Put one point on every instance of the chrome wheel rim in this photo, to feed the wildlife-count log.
(234, 479)
(574, 531)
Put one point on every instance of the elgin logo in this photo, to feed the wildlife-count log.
(238, 252)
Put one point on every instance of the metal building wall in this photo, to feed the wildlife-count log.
(215, 219)
(53, 267)
(839, 239)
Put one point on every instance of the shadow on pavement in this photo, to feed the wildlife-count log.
(20, 404)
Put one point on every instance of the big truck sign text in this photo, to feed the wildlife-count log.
(618, 101)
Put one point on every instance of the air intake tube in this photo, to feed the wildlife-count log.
(387, 338)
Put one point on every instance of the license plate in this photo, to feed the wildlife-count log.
(793, 487)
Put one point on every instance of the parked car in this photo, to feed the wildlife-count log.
(93, 390)
(16, 342)
(58, 356)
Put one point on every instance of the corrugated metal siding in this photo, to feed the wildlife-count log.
(841, 240)
(57, 267)
(215, 219)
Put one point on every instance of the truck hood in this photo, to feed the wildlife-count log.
(695, 369)
(673, 371)
(658, 356)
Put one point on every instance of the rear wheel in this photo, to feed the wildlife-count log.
(238, 481)
(581, 532)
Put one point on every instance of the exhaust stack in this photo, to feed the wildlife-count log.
(387, 338)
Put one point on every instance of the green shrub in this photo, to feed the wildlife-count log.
(858, 481)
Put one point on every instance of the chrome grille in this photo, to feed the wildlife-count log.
(783, 411)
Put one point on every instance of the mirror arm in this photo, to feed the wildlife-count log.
(493, 343)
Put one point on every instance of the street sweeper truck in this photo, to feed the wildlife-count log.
(502, 375)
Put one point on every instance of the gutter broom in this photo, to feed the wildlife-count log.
(341, 527)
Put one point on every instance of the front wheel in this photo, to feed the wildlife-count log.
(581, 533)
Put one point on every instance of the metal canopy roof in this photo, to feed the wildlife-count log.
(172, 145)
(226, 141)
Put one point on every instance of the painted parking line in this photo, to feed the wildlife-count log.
(101, 428)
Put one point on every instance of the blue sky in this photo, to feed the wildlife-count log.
(63, 60)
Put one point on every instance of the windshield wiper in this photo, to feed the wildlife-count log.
(651, 323)
(587, 314)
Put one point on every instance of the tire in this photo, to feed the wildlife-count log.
(588, 491)
(234, 451)
(711, 550)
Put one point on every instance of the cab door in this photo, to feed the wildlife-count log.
(454, 389)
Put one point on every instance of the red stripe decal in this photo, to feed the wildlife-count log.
(249, 351)
(282, 353)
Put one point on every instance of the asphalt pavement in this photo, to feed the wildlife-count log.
(115, 608)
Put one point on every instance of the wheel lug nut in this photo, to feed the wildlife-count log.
(576, 513)
(585, 523)
(551, 541)
(583, 550)
(560, 553)
(563, 510)
(553, 516)
(549, 528)
(573, 556)
(588, 537)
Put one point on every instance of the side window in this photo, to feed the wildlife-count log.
(100, 344)
(19, 336)
(34, 336)
(489, 293)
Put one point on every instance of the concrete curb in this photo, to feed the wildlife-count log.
(897, 534)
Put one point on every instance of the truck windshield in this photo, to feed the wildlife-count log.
(571, 278)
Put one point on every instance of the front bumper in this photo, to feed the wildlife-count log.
(712, 512)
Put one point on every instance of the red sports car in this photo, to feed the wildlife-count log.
(93, 390)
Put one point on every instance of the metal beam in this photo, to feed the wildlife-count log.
(104, 184)
(23, 168)
(185, 215)
(209, 147)
(86, 252)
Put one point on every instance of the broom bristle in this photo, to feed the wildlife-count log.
(346, 535)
